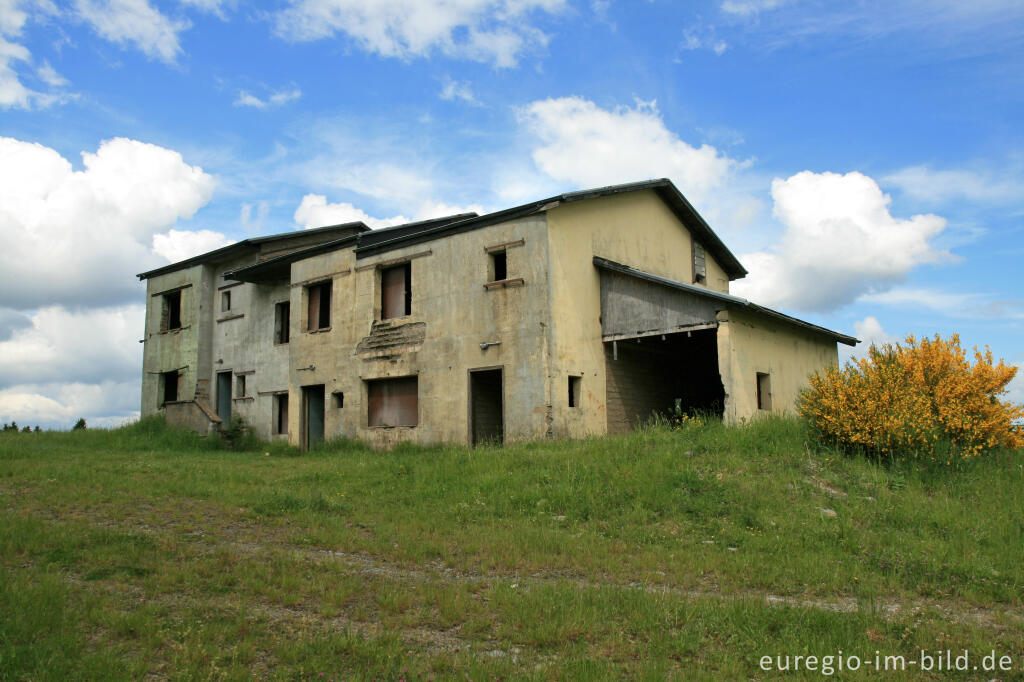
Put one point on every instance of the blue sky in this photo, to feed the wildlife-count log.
(864, 160)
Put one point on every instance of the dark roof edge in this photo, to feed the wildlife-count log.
(251, 243)
(451, 228)
(325, 247)
(291, 257)
(665, 188)
(606, 264)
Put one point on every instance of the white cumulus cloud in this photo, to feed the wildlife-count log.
(841, 242)
(496, 31)
(78, 237)
(136, 22)
(581, 143)
(177, 245)
(276, 99)
(315, 211)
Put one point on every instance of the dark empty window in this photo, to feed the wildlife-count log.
(396, 291)
(282, 321)
(574, 391)
(225, 301)
(240, 386)
(499, 266)
(171, 318)
(700, 272)
(393, 402)
(319, 308)
(170, 390)
(764, 391)
(339, 399)
(281, 413)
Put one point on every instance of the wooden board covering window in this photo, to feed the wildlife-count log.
(395, 291)
(319, 306)
(393, 402)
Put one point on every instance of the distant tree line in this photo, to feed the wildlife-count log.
(14, 428)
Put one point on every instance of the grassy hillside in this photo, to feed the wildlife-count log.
(686, 554)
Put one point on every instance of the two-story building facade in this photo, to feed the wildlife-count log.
(575, 315)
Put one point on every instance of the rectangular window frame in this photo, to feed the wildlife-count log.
(225, 301)
(319, 297)
(282, 322)
(763, 383)
(167, 380)
(575, 390)
(170, 317)
(384, 402)
(498, 265)
(281, 414)
(395, 303)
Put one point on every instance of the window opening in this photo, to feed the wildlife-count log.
(172, 311)
(393, 402)
(319, 299)
(396, 291)
(574, 391)
(499, 266)
(282, 321)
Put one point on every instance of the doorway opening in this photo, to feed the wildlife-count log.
(224, 398)
(486, 406)
(662, 374)
(312, 415)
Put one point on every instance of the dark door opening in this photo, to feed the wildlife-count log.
(486, 407)
(655, 375)
(224, 397)
(313, 415)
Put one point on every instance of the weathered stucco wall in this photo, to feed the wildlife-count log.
(243, 344)
(183, 349)
(439, 342)
(635, 229)
(749, 344)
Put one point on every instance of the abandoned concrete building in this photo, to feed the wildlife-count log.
(575, 315)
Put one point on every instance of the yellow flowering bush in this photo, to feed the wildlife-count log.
(912, 399)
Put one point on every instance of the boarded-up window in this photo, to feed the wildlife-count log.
(225, 301)
(764, 391)
(499, 266)
(170, 390)
(396, 291)
(282, 321)
(700, 270)
(575, 385)
(281, 413)
(171, 317)
(319, 308)
(393, 402)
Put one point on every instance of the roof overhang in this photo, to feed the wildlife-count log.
(725, 299)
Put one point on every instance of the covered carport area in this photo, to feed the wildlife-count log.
(660, 345)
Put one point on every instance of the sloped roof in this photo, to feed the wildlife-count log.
(232, 250)
(729, 299)
(280, 266)
(663, 187)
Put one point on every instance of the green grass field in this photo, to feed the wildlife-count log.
(689, 554)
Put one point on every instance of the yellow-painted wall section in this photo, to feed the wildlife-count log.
(636, 229)
(750, 344)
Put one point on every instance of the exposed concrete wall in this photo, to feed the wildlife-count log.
(439, 342)
(243, 344)
(635, 229)
(749, 344)
(192, 415)
(175, 349)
